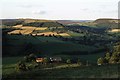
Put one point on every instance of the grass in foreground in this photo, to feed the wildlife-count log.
(105, 71)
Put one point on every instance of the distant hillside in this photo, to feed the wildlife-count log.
(107, 23)
(30, 22)
(43, 24)
(103, 20)
(72, 21)
(11, 22)
(35, 20)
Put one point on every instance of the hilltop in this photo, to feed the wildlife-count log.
(107, 23)
(103, 20)
(30, 22)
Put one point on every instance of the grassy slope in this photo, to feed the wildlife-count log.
(9, 63)
(60, 71)
(74, 34)
(47, 45)
(107, 71)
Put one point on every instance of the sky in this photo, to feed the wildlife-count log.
(59, 9)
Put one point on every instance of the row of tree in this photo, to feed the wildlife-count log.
(111, 58)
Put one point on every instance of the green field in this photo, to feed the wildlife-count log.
(9, 63)
(74, 34)
(60, 71)
(44, 45)
(109, 71)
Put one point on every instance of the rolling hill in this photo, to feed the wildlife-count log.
(107, 23)
(30, 22)
(25, 36)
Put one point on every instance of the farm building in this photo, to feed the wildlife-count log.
(39, 59)
(55, 59)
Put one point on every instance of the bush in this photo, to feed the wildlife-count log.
(26, 59)
(21, 66)
(45, 61)
(32, 57)
(107, 56)
(68, 61)
(100, 61)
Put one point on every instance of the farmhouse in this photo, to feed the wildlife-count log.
(39, 60)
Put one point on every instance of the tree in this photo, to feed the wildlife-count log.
(45, 61)
(32, 57)
(113, 59)
(117, 48)
(26, 59)
(21, 66)
(68, 61)
(100, 61)
(107, 57)
(79, 62)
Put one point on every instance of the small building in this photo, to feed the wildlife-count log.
(55, 59)
(39, 60)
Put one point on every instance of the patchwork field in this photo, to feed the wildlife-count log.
(44, 28)
(115, 30)
(17, 26)
(25, 30)
(14, 32)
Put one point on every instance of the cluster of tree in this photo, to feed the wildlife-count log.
(79, 62)
(110, 58)
(85, 29)
(12, 22)
(36, 24)
(29, 58)
(42, 24)
(22, 64)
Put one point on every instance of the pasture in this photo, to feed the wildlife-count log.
(71, 71)
(44, 45)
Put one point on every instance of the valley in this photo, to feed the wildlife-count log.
(69, 40)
